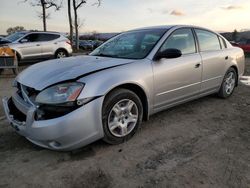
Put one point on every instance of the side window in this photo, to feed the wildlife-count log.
(181, 39)
(208, 41)
(32, 37)
(47, 37)
(222, 43)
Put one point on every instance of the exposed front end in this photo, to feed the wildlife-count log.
(50, 126)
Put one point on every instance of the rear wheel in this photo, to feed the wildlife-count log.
(121, 115)
(228, 84)
(61, 54)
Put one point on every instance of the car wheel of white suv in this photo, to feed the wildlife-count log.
(61, 54)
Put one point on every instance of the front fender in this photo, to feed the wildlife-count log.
(100, 83)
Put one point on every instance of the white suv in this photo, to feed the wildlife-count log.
(36, 45)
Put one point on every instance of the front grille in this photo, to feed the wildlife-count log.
(17, 114)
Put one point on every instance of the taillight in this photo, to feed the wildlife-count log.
(68, 42)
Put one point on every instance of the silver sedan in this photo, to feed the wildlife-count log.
(68, 103)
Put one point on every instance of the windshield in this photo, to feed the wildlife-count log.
(15, 36)
(130, 45)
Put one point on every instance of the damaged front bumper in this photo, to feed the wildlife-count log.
(71, 131)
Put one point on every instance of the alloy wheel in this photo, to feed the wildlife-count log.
(123, 117)
(230, 82)
(61, 54)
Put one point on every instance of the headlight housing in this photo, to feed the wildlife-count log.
(60, 94)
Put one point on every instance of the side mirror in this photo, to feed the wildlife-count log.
(170, 53)
(23, 40)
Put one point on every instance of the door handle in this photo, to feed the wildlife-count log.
(197, 65)
(38, 45)
(226, 58)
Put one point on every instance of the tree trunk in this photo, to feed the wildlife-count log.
(70, 22)
(76, 25)
(44, 15)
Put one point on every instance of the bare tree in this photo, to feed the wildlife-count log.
(70, 22)
(76, 5)
(235, 35)
(46, 4)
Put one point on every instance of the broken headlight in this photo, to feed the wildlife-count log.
(60, 94)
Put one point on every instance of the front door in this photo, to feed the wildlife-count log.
(31, 48)
(177, 79)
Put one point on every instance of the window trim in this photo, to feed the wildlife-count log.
(195, 42)
(224, 42)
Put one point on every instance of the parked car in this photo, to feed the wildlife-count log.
(3, 41)
(97, 43)
(36, 45)
(86, 45)
(245, 45)
(67, 104)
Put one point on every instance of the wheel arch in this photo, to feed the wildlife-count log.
(237, 73)
(139, 91)
(58, 49)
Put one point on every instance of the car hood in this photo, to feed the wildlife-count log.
(44, 74)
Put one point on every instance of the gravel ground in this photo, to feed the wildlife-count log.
(203, 143)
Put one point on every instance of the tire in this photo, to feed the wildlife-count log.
(118, 124)
(61, 53)
(228, 85)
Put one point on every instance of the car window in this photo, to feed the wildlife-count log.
(130, 45)
(15, 36)
(47, 37)
(223, 43)
(181, 39)
(33, 37)
(208, 41)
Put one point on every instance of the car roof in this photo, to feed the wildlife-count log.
(167, 27)
(48, 32)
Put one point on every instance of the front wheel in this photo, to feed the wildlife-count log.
(228, 84)
(121, 116)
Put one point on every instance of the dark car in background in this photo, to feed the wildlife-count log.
(3, 41)
(244, 44)
(88, 44)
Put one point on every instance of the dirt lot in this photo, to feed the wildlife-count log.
(204, 143)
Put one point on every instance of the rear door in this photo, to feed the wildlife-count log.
(214, 59)
(178, 79)
(32, 47)
(48, 43)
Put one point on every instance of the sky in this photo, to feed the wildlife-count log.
(122, 15)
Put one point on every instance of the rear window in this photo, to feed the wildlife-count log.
(208, 41)
(47, 37)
